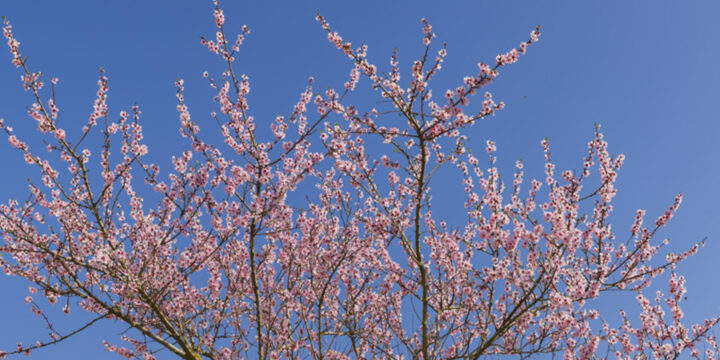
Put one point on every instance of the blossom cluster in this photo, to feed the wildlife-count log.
(318, 238)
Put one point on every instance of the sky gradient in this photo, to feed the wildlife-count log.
(645, 70)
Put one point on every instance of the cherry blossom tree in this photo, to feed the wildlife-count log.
(317, 239)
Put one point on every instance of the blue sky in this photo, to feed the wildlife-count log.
(645, 70)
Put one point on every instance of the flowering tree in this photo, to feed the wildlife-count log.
(227, 263)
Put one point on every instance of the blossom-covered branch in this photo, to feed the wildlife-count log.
(319, 240)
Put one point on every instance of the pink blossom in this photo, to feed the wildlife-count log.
(323, 234)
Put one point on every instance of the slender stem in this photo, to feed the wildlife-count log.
(253, 279)
(418, 252)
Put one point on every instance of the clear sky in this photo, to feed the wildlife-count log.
(645, 70)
